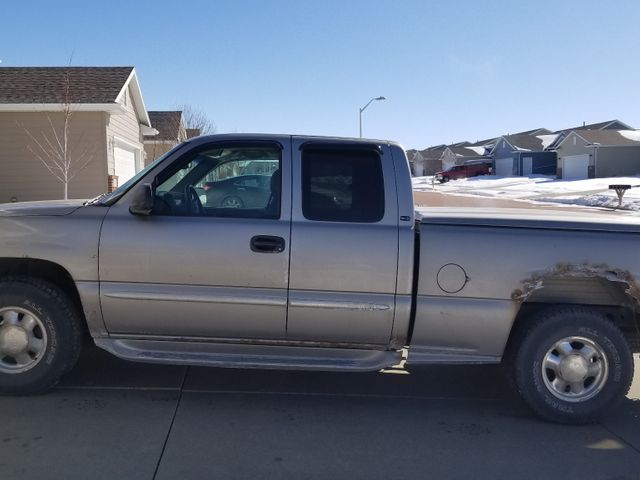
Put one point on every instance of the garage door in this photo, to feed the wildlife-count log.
(575, 167)
(504, 167)
(125, 164)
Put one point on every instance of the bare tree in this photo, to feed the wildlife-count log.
(197, 119)
(63, 159)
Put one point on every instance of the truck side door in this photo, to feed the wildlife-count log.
(218, 270)
(344, 243)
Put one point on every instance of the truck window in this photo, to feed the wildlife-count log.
(342, 185)
(235, 181)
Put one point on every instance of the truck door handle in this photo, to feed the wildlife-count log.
(267, 244)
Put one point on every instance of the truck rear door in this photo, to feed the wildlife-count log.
(344, 243)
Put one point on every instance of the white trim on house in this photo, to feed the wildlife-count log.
(575, 133)
(136, 93)
(145, 130)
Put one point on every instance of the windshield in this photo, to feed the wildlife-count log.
(112, 197)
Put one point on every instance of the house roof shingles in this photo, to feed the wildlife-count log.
(610, 137)
(167, 124)
(525, 142)
(466, 152)
(608, 125)
(48, 84)
(433, 153)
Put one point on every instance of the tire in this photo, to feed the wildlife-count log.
(585, 341)
(231, 201)
(39, 313)
(445, 179)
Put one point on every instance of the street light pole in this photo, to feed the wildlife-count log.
(363, 108)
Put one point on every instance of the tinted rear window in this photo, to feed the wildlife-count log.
(342, 185)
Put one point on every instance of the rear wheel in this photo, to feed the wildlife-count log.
(232, 202)
(569, 364)
(40, 335)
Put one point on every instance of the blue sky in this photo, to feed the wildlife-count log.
(450, 70)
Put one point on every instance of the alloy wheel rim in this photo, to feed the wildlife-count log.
(23, 340)
(231, 203)
(575, 369)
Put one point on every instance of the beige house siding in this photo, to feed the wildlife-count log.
(25, 178)
(619, 161)
(124, 128)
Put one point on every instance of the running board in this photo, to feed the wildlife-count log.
(249, 356)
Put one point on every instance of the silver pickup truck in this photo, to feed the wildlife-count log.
(291, 252)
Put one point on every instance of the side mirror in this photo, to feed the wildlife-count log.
(142, 203)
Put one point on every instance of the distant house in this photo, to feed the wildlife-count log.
(459, 154)
(171, 132)
(429, 160)
(193, 132)
(105, 131)
(607, 125)
(598, 153)
(411, 157)
(524, 154)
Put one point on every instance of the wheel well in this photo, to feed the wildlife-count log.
(610, 298)
(45, 270)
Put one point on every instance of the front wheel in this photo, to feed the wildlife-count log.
(570, 364)
(40, 335)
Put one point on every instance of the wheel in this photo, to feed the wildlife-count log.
(232, 202)
(445, 179)
(40, 335)
(569, 364)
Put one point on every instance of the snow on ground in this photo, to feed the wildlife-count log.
(593, 192)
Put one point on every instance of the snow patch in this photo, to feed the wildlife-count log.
(593, 192)
(630, 134)
(547, 139)
(478, 150)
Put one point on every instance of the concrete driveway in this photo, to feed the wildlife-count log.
(114, 420)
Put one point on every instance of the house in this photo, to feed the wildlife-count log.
(607, 125)
(102, 112)
(598, 153)
(524, 154)
(464, 152)
(413, 157)
(193, 132)
(171, 132)
(427, 161)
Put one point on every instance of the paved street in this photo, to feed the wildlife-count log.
(112, 419)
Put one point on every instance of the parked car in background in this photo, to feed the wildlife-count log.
(463, 171)
(250, 191)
